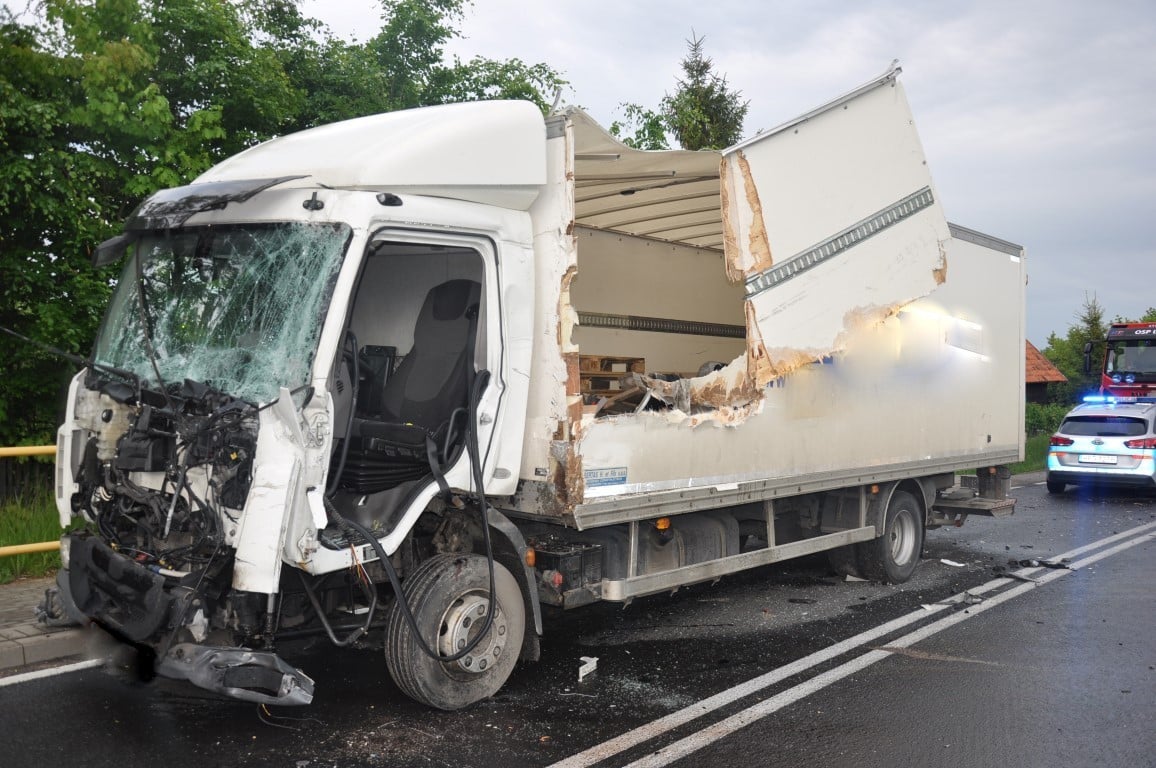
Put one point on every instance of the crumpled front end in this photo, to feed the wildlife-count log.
(196, 434)
(177, 619)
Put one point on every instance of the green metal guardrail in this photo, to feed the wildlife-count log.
(42, 546)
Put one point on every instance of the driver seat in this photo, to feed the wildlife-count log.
(424, 403)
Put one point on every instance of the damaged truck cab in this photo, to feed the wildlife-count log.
(421, 372)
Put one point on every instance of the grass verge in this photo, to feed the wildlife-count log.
(28, 520)
(1035, 455)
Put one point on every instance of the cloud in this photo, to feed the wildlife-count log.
(1036, 116)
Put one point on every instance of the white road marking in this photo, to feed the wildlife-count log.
(25, 677)
(726, 727)
(676, 719)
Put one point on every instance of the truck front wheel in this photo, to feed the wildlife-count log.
(449, 596)
(892, 557)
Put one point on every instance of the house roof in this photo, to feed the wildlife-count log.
(1039, 369)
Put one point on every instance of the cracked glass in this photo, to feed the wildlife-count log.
(237, 307)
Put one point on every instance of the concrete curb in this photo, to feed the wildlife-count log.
(24, 641)
(25, 644)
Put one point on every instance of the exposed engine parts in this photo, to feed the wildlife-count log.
(190, 450)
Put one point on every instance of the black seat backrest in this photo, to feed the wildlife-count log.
(432, 381)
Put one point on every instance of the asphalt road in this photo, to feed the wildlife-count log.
(1057, 672)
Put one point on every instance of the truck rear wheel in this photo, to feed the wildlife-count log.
(892, 557)
(449, 596)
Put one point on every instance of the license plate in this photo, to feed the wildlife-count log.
(1095, 458)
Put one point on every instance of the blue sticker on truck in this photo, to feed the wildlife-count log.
(597, 478)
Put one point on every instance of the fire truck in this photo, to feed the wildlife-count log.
(1128, 368)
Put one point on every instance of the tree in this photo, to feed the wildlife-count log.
(102, 102)
(703, 113)
(647, 128)
(1067, 353)
(1149, 316)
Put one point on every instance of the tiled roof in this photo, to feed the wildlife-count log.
(1039, 369)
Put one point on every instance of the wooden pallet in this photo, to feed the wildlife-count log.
(601, 375)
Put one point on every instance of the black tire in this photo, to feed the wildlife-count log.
(892, 557)
(1055, 486)
(449, 596)
(845, 561)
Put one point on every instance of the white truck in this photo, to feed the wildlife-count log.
(426, 371)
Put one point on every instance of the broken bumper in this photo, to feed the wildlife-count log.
(239, 673)
(122, 595)
(141, 606)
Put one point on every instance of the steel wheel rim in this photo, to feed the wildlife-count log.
(902, 539)
(460, 625)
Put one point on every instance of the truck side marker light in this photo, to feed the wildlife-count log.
(531, 557)
(662, 523)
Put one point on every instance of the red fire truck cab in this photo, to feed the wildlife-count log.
(1128, 368)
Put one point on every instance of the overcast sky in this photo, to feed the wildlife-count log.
(1038, 117)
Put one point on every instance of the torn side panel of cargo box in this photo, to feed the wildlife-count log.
(843, 199)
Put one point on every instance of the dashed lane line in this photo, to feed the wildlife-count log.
(726, 727)
(676, 719)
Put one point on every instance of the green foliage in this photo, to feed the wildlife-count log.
(1149, 316)
(482, 79)
(703, 113)
(1035, 455)
(1067, 353)
(1044, 418)
(28, 520)
(640, 128)
(410, 47)
(102, 102)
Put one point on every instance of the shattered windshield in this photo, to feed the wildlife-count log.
(238, 307)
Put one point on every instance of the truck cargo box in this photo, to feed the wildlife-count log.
(801, 313)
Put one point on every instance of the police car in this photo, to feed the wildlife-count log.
(1105, 441)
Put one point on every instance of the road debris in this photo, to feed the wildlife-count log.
(1033, 563)
(925, 656)
(1005, 573)
(961, 601)
(952, 563)
(588, 665)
